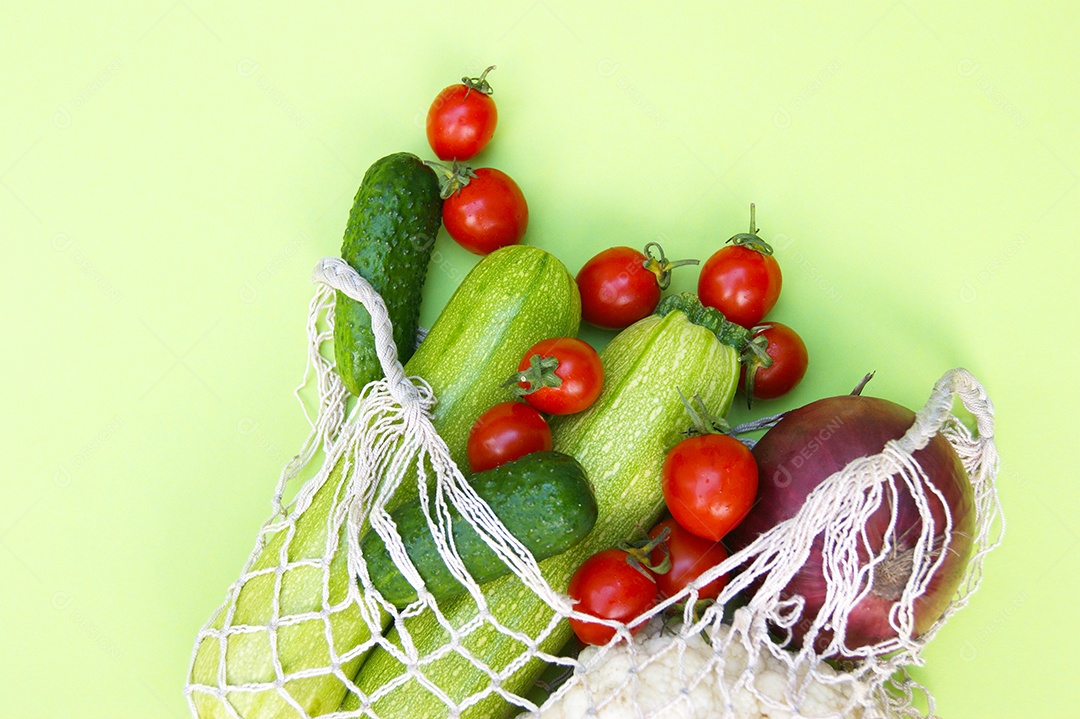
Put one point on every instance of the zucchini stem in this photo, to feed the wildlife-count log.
(712, 319)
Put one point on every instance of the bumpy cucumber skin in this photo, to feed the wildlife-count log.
(621, 442)
(543, 498)
(389, 238)
(512, 299)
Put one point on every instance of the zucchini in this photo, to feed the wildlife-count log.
(511, 299)
(543, 498)
(621, 442)
(392, 226)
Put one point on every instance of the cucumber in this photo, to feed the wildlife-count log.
(392, 226)
(621, 442)
(512, 299)
(543, 498)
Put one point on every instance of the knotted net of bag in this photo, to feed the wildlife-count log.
(303, 633)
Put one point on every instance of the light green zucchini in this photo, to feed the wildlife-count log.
(621, 442)
(511, 299)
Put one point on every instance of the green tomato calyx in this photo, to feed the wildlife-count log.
(452, 178)
(702, 421)
(540, 374)
(639, 554)
(750, 239)
(657, 262)
(479, 84)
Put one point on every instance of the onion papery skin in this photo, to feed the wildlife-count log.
(811, 443)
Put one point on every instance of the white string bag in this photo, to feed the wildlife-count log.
(388, 436)
(711, 667)
(384, 439)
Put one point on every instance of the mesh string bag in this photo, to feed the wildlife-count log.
(709, 664)
(303, 616)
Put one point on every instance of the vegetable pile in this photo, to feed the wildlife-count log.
(512, 504)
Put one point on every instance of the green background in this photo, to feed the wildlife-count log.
(171, 171)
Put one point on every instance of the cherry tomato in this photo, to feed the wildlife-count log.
(709, 483)
(690, 557)
(462, 119)
(608, 586)
(742, 280)
(487, 213)
(506, 431)
(621, 285)
(560, 375)
(789, 361)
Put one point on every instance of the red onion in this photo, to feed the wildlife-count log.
(811, 443)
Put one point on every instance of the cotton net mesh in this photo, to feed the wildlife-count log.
(302, 617)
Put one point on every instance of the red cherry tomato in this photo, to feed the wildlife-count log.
(709, 483)
(608, 586)
(488, 213)
(690, 557)
(462, 119)
(506, 431)
(560, 375)
(789, 362)
(616, 289)
(742, 280)
(620, 285)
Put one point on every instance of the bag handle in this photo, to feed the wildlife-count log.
(936, 412)
(339, 275)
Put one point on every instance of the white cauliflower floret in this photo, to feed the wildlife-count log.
(668, 666)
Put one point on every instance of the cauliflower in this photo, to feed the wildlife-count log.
(685, 679)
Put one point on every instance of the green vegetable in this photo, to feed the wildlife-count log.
(543, 498)
(301, 645)
(708, 317)
(395, 217)
(511, 300)
(621, 442)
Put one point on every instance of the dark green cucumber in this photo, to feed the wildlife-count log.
(543, 498)
(392, 227)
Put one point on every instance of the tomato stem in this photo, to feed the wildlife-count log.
(755, 356)
(703, 422)
(540, 374)
(660, 265)
(673, 615)
(750, 239)
(452, 178)
(639, 554)
(480, 84)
